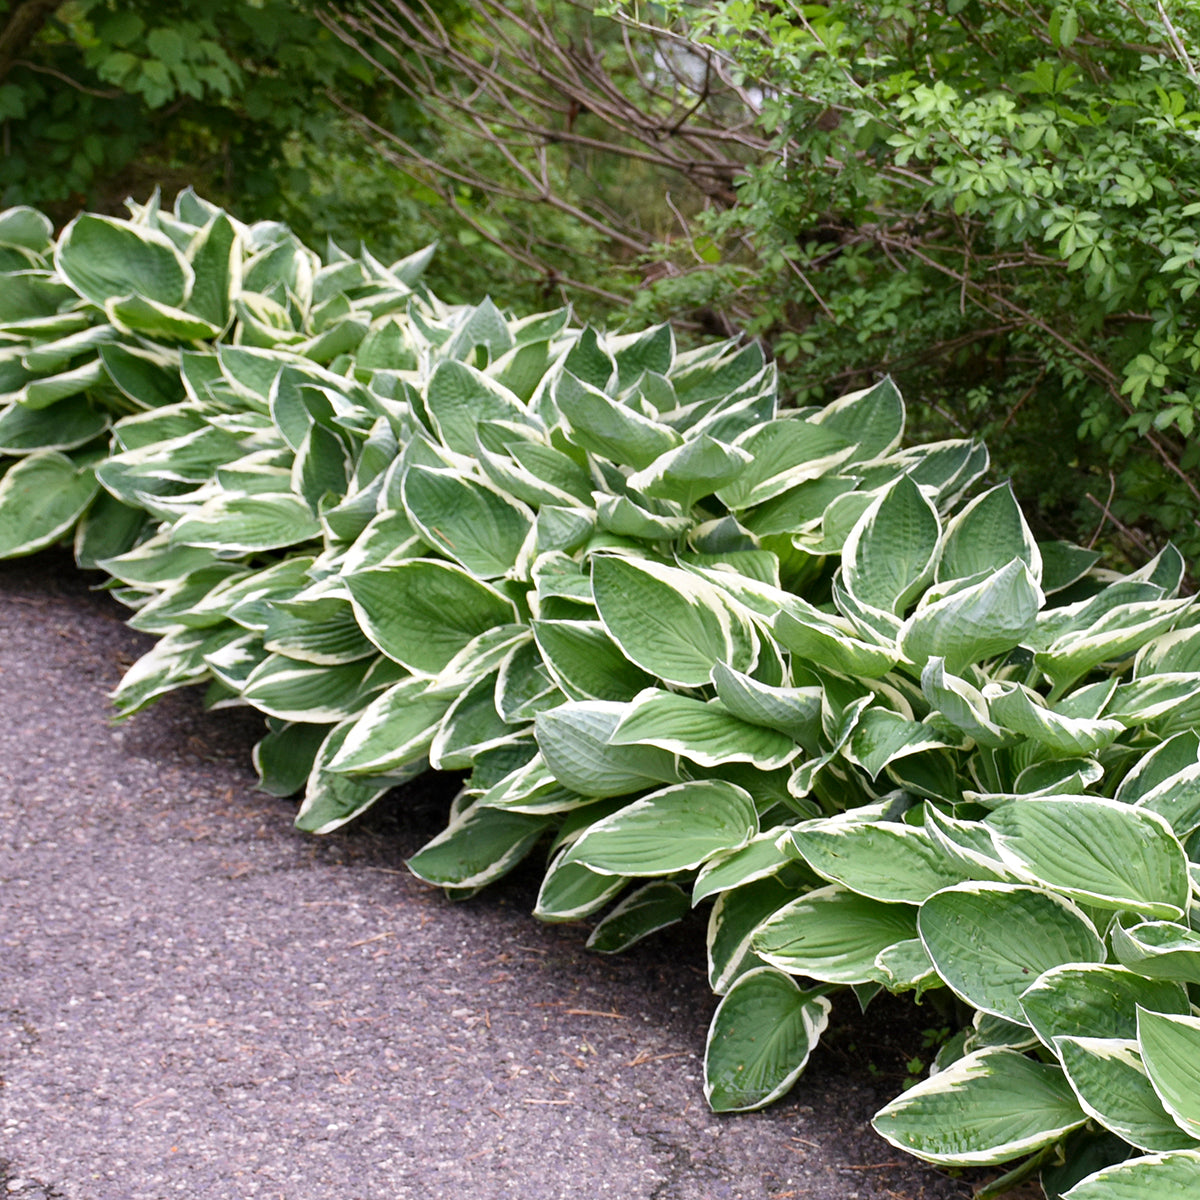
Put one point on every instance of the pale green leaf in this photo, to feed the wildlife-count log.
(990, 941)
(986, 1108)
(760, 1039)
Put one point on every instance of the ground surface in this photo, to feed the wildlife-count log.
(197, 1001)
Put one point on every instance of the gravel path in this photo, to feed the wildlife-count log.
(196, 1001)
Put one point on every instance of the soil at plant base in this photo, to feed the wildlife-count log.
(197, 1001)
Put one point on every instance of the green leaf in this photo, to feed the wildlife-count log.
(833, 935)
(701, 732)
(586, 663)
(574, 741)
(758, 859)
(331, 800)
(24, 226)
(471, 726)
(1159, 950)
(600, 425)
(284, 758)
(477, 848)
(691, 471)
(973, 622)
(472, 523)
(570, 891)
(395, 729)
(734, 919)
(103, 258)
(990, 941)
(886, 861)
(299, 691)
(668, 621)
(41, 498)
(1171, 1176)
(238, 523)
(882, 737)
(1021, 710)
(423, 612)
(1169, 1044)
(990, 532)
(1110, 1080)
(650, 908)
(785, 453)
(458, 398)
(1097, 851)
(1095, 1000)
(674, 829)
(760, 1039)
(795, 712)
(65, 425)
(958, 704)
(873, 419)
(986, 1108)
(889, 557)
(830, 642)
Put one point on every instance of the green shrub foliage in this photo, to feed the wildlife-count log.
(689, 649)
(995, 202)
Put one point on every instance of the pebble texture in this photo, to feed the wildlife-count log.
(197, 1001)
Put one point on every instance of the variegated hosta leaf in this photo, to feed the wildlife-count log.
(330, 800)
(989, 1107)
(833, 935)
(668, 621)
(674, 829)
(1095, 1000)
(474, 524)
(586, 663)
(759, 1041)
(422, 613)
(734, 919)
(989, 532)
(1017, 708)
(973, 621)
(41, 498)
(477, 848)
(885, 861)
(889, 557)
(574, 741)
(103, 258)
(644, 911)
(760, 858)
(571, 891)
(831, 642)
(1169, 1044)
(882, 737)
(1158, 950)
(990, 941)
(395, 729)
(785, 453)
(615, 431)
(1174, 1174)
(702, 732)
(1097, 851)
(1110, 1080)
(691, 471)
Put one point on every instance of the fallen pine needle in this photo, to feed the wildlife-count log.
(641, 1059)
(387, 933)
(593, 1012)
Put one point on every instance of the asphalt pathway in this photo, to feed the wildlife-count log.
(197, 1001)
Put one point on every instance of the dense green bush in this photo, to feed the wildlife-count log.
(690, 649)
(996, 203)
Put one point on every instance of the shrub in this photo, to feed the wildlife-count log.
(689, 648)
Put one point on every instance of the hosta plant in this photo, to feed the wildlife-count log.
(690, 649)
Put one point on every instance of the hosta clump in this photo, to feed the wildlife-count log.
(690, 648)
